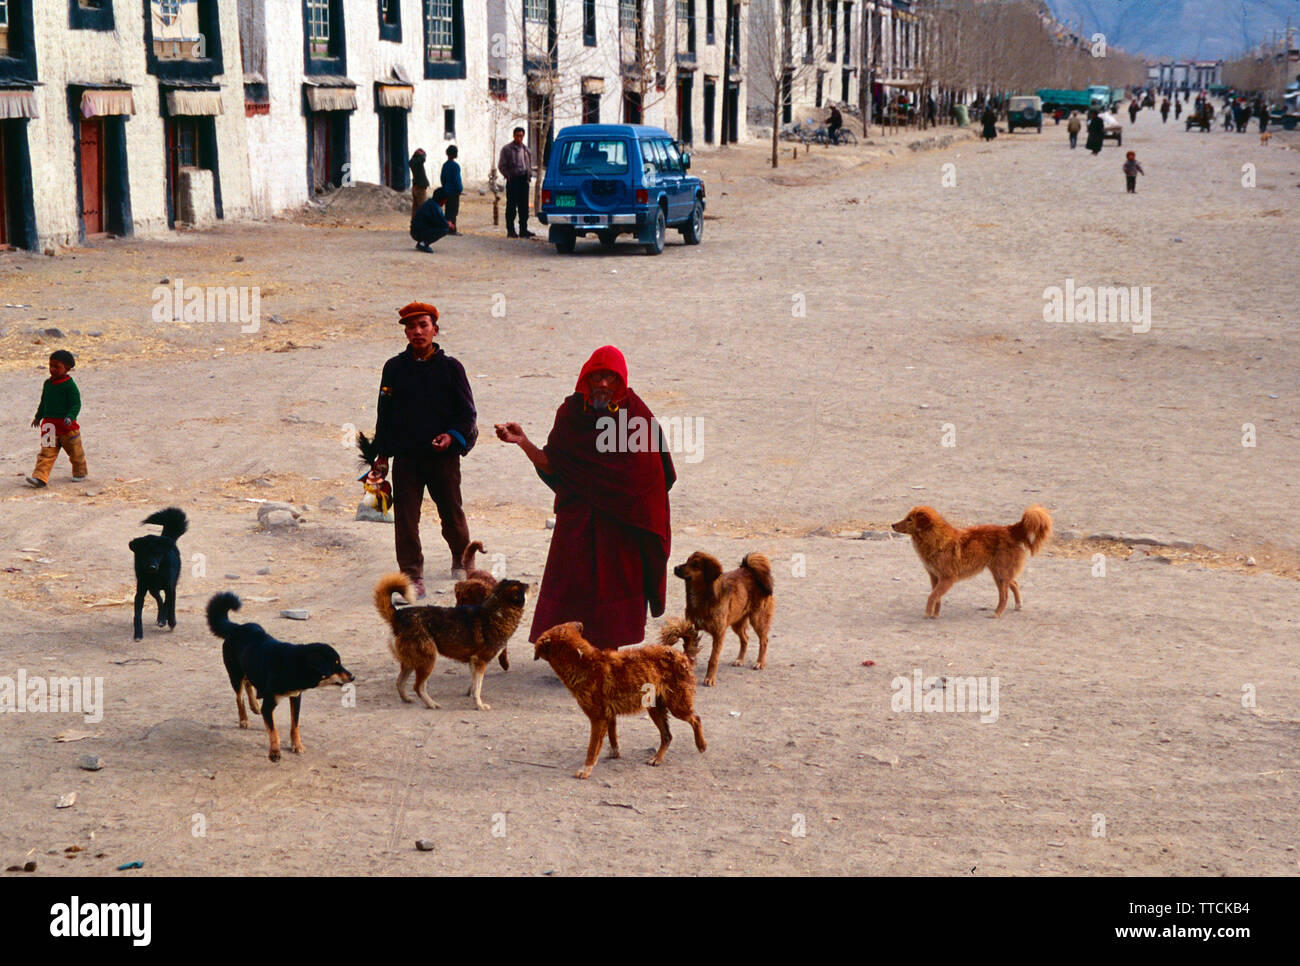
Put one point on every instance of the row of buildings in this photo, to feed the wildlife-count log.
(1185, 76)
(121, 117)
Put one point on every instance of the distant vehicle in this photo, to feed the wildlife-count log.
(1202, 118)
(1112, 130)
(620, 179)
(1289, 116)
(1025, 111)
(1064, 100)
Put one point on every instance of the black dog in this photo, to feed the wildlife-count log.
(257, 661)
(158, 567)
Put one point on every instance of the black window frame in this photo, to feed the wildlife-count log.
(709, 14)
(203, 69)
(87, 18)
(390, 31)
(337, 61)
(454, 68)
(589, 23)
(22, 38)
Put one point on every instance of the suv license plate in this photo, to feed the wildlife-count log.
(565, 201)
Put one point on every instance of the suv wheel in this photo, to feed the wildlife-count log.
(565, 239)
(693, 230)
(661, 227)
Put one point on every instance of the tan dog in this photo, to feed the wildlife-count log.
(652, 678)
(716, 601)
(951, 554)
(472, 635)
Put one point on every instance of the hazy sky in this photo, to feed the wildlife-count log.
(1202, 29)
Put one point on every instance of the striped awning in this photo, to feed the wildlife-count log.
(191, 103)
(330, 93)
(18, 103)
(395, 95)
(106, 102)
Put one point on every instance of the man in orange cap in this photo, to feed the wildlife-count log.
(609, 552)
(426, 422)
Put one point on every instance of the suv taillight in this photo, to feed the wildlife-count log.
(546, 197)
(642, 196)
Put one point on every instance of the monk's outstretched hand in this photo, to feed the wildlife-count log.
(510, 433)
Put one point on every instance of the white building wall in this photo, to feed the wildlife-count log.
(65, 56)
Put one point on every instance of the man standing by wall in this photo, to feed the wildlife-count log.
(516, 165)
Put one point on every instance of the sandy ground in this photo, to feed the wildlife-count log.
(844, 314)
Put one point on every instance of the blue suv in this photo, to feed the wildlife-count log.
(620, 179)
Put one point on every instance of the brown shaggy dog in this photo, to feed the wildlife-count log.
(716, 601)
(472, 635)
(476, 586)
(951, 554)
(680, 629)
(651, 678)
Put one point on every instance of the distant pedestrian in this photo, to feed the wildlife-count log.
(1164, 111)
(931, 111)
(1096, 133)
(834, 123)
(452, 185)
(516, 165)
(1241, 116)
(1133, 109)
(429, 223)
(1178, 108)
(1131, 170)
(56, 415)
(1072, 127)
(419, 181)
(990, 121)
(1261, 112)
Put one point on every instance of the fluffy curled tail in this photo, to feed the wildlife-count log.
(172, 520)
(680, 629)
(384, 594)
(761, 569)
(1035, 529)
(219, 608)
(467, 558)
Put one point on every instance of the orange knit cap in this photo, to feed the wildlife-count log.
(417, 308)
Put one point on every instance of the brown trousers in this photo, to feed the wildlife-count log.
(439, 473)
(418, 197)
(70, 444)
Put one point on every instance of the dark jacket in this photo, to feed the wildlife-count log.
(450, 178)
(428, 224)
(1096, 134)
(418, 178)
(419, 400)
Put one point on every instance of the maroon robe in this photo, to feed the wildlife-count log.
(609, 550)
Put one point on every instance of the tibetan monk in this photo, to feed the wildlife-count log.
(609, 553)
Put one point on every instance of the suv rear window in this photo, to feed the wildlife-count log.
(594, 157)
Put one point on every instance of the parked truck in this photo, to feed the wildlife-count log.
(1096, 98)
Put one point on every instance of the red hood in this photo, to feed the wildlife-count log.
(606, 357)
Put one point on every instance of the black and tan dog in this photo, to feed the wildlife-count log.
(473, 635)
(717, 600)
(158, 567)
(256, 661)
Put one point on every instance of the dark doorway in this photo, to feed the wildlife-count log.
(327, 149)
(787, 83)
(631, 107)
(392, 148)
(590, 108)
(685, 88)
(17, 211)
(731, 113)
(710, 97)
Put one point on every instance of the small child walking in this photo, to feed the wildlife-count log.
(1131, 170)
(452, 185)
(57, 418)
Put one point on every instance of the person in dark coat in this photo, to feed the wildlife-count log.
(834, 123)
(426, 422)
(609, 551)
(1133, 109)
(1096, 133)
(1178, 108)
(429, 223)
(990, 121)
(452, 185)
(419, 181)
(1164, 111)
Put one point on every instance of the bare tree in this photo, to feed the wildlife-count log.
(774, 58)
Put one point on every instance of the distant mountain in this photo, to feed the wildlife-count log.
(1184, 29)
